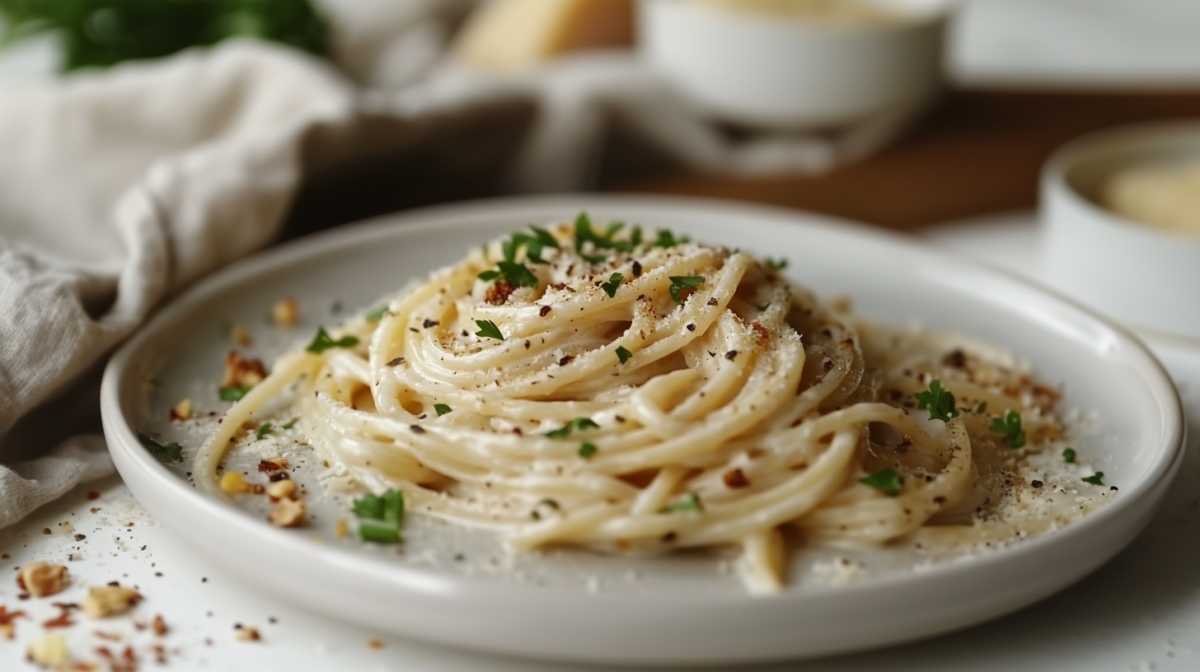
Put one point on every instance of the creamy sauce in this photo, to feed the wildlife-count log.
(842, 12)
(1164, 195)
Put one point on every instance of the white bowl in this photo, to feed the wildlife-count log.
(677, 609)
(785, 74)
(1144, 276)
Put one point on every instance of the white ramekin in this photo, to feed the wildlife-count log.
(1145, 276)
(780, 74)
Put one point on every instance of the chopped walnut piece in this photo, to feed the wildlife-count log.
(159, 626)
(245, 634)
(105, 601)
(7, 626)
(281, 489)
(288, 512)
(49, 651)
(242, 372)
(233, 484)
(181, 411)
(42, 578)
(285, 313)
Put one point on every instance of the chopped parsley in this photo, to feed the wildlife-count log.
(776, 264)
(172, 452)
(515, 274)
(322, 342)
(614, 281)
(668, 239)
(885, 480)
(938, 401)
(1010, 427)
(442, 409)
(689, 503)
(635, 239)
(587, 450)
(377, 314)
(679, 283)
(1097, 479)
(291, 424)
(585, 234)
(383, 515)
(1069, 456)
(488, 329)
(623, 354)
(265, 430)
(576, 425)
(234, 393)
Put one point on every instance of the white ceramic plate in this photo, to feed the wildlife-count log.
(457, 587)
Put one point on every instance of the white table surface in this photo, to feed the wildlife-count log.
(1140, 612)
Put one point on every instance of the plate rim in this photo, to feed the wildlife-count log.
(415, 221)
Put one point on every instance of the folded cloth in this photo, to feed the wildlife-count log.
(119, 187)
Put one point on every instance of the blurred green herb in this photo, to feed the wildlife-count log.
(172, 452)
(105, 32)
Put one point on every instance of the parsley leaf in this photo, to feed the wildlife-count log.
(234, 393)
(1010, 427)
(938, 401)
(776, 264)
(689, 503)
(1069, 456)
(668, 239)
(679, 283)
(885, 480)
(511, 272)
(614, 281)
(442, 409)
(322, 342)
(488, 329)
(1097, 479)
(578, 424)
(635, 239)
(377, 314)
(587, 450)
(623, 354)
(517, 274)
(265, 430)
(172, 452)
(385, 513)
(544, 237)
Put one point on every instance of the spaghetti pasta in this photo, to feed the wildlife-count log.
(601, 389)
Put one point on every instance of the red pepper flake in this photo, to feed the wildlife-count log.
(159, 625)
(1037, 484)
(731, 354)
(95, 509)
(735, 478)
(713, 301)
(637, 269)
(430, 323)
(544, 311)
(417, 429)
(45, 530)
(566, 360)
(267, 466)
(93, 495)
(80, 537)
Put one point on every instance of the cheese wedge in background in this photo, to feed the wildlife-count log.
(514, 35)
